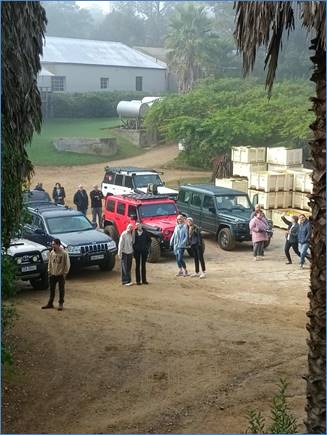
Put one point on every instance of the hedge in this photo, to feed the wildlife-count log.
(89, 105)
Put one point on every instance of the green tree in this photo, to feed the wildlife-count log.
(190, 35)
(263, 24)
(67, 19)
(22, 27)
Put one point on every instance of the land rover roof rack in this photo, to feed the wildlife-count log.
(144, 196)
(128, 169)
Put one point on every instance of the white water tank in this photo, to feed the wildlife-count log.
(132, 109)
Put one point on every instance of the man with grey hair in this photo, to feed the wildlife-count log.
(96, 205)
(81, 199)
(125, 253)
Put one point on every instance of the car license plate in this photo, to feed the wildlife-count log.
(97, 257)
(28, 268)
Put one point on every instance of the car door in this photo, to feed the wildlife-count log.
(131, 215)
(209, 217)
(195, 208)
(120, 217)
(108, 184)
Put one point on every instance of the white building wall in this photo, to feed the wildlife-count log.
(86, 78)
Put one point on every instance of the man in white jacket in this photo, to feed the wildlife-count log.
(125, 253)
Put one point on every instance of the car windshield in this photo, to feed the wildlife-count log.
(152, 210)
(144, 180)
(68, 224)
(233, 202)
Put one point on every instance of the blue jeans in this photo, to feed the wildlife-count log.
(303, 248)
(180, 258)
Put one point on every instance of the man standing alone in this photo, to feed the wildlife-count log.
(81, 200)
(58, 267)
(96, 205)
(125, 253)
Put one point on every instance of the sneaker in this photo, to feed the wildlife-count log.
(255, 258)
(47, 306)
(288, 262)
(301, 266)
(194, 275)
(61, 307)
(138, 283)
(186, 273)
(180, 273)
(203, 275)
(145, 282)
(261, 257)
(128, 284)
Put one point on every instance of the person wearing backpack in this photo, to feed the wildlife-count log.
(196, 247)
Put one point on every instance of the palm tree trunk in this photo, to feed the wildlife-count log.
(316, 378)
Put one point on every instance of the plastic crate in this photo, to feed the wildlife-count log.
(300, 200)
(269, 181)
(272, 200)
(245, 169)
(302, 180)
(233, 183)
(284, 156)
(283, 168)
(249, 154)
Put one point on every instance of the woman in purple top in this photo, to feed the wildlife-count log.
(258, 229)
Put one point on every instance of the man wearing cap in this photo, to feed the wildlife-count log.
(96, 205)
(81, 199)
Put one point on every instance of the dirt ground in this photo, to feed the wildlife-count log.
(180, 355)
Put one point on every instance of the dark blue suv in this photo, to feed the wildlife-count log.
(85, 245)
(220, 211)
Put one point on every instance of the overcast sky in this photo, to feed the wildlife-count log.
(102, 5)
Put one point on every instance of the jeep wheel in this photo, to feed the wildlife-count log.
(154, 251)
(267, 243)
(41, 283)
(112, 232)
(225, 239)
(190, 253)
(108, 264)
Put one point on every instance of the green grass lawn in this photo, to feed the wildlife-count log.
(43, 153)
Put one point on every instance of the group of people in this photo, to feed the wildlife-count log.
(135, 243)
(81, 200)
(297, 236)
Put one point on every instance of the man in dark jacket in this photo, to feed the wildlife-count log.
(81, 200)
(304, 236)
(96, 205)
(141, 244)
(291, 237)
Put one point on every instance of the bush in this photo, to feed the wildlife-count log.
(219, 114)
(90, 105)
(282, 421)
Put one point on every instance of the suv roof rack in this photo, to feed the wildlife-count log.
(129, 169)
(144, 196)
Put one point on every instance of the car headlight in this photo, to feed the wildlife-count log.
(45, 255)
(35, 258)
(73, 249)
(111, 245)
(19, 260)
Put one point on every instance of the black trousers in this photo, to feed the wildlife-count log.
(140, 265)
(198, 258)
(288, 246)
(126, 267)
(53, 280)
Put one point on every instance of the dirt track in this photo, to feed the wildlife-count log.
(180, 355)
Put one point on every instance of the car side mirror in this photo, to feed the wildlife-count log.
(39, 232)
(255, 200)
(212, 210)
(163, 183)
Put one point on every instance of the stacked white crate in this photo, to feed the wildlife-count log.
(240, 184)
(248, 159)
(302, 186)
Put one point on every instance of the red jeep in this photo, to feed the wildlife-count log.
(156, 213)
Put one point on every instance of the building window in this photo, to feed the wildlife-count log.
(104, 83)
(139, 84)
(58, 83)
